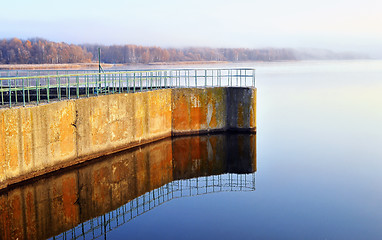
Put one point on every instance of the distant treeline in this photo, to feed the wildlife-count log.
(139, 54)
(38, 51)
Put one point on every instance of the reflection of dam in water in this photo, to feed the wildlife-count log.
(91, 200)
(98, 226)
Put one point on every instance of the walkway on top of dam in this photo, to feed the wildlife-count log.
(25, 87)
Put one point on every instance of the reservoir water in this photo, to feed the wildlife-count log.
(312, 171)
(319, 162)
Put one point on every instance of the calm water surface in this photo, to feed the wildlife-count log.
(319, 163)
(319, 152)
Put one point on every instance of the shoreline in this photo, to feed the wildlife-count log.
(59, 66)
(187, 62)
(94, 65)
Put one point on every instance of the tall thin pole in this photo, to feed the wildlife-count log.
(99, 68)
(99, 60)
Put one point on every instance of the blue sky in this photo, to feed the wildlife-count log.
(342, 25)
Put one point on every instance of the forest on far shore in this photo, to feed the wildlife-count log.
(40, 51)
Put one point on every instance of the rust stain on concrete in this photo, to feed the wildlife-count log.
(180, 115)
(196, 111)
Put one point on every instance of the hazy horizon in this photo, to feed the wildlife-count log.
(337, 25)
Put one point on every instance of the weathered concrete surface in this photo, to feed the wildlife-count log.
(57, 203)
(40, 139)
(197, 110)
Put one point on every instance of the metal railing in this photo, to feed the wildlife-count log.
(20, 91)
(100, 226)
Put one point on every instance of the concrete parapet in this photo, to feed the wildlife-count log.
(39, 139)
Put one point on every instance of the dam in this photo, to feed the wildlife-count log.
(50, 122)
(83, 153)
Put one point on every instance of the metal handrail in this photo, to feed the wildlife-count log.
(19, 90)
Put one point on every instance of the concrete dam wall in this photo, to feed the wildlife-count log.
(40, 139)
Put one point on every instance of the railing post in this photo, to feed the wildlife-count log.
(237, 78)
(37, 90)
(230, 77)
(147, 79)
(160, 80)
(188, 78)
(196, 78)
(205, 78)
(127, 82)
(253, 78)
(212, 77)
(165, 79)
(15, 82)
(68, 91)
(178, 78)
(10, 93)
(28, 84)
(140, 76)
(87, 85)
(240, 76)
(47, 90)
(219, 78)
(58, 79)
(151, 80)
(171, 80)
(112, 83)
(78, 86)
(2, 95)
(23, 93)
(245, 77)
(134, 83)
(119, 86)
(97, 84)
(105, 78)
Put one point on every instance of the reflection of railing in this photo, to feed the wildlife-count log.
(19, 90)
(101, 225)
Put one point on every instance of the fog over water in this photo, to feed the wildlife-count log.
(319, 161)
(337, 25)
